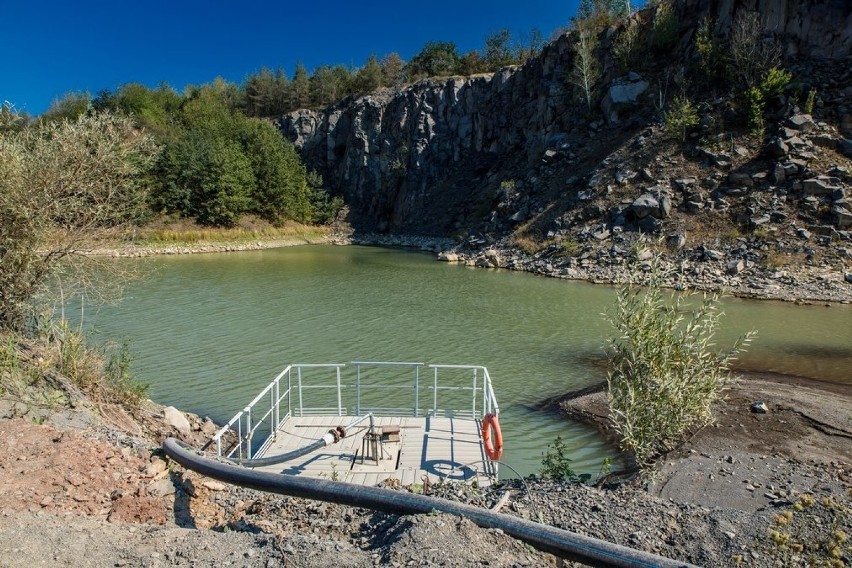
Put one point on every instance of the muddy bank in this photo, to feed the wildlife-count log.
(807, 425)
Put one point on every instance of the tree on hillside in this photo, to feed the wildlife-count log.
(471, 64)
(587, 67)
(63, 185)
(224, 165)
(437, 58)
(266, 93)
(329, 84)
(531, 47)
(369, 77)
(393, 70)
(259, 92)
(204, 176)
(70, 107)
(602, 12)
(752, 55)
(498, 50)
(300, 88)
(280, 190)
(151, 109)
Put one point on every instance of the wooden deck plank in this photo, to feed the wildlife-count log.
(433, 446)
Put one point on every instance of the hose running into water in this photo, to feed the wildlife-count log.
(566, 544)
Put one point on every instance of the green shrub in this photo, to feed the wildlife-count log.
(664, 377)
(556, 465)
(680, 117)
(626, 46)
(809, 102)
(755, 103)
(665, 27)
(569, 248)
(121, 381)
(705, 45)
(775, 82)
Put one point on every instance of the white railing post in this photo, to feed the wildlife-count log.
(301, 403)
(289, 391)
(276, 413)
(435, 394)
(486, 406)
(339, 399)
(358, 390)
(240, 436)
(473, 409)
(417, 390)
(248, 431)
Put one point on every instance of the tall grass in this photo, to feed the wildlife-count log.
(194, 234)
(57, 356)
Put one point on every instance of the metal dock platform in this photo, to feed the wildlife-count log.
(410, 428)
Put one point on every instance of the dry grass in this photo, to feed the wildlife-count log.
(527, 244)
(184, 231)
(54, 362)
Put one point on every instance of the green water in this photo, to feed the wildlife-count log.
(209, 331)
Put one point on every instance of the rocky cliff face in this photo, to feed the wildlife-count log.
(417, 159)
(443, 156)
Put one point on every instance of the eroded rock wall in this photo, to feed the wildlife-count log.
(430, 158)
(416, 159)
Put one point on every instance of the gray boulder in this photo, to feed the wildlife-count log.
(842, 217)
(623, 93)
(819, 186)
(665, 206)
(645, 205)
(740, 179)
(710, 254)
(676, 241)
(777, 148)
(177, 420)
(735, 266)
(650, 225)
(801, 122)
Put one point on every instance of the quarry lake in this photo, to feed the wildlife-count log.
(209, 331)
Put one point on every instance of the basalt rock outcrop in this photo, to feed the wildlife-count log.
(418, 160)
(447, 156)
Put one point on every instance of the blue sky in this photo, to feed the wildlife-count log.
(54, 47)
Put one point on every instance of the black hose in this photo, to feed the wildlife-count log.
(565, 544)
(332, 437)
(281, 458)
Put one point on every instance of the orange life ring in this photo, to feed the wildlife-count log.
(491, 426)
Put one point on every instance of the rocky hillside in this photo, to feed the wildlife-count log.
(518, 159)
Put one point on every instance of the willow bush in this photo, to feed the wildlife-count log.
(64, 186)
(665, 374)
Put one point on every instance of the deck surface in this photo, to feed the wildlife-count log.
(449, 448)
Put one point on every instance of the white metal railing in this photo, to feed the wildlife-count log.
(246, 423)
(400, 384)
